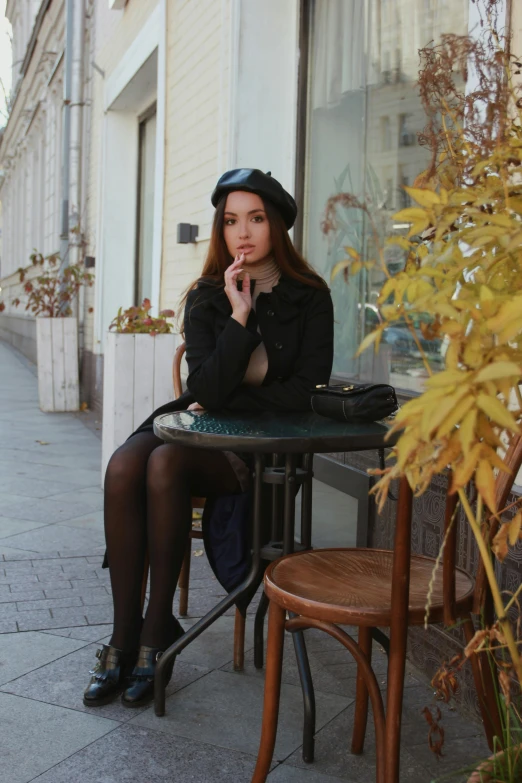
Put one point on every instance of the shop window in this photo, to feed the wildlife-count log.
(363, 114)
(386, 134)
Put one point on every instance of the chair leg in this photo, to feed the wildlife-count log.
(239, 640)
(361, 694)
(258, 630)
(486, 690)
(183, 582)
(274, 665)
(307, 687)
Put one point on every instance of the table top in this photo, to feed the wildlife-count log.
(269, 433)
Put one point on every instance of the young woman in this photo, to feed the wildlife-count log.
(259, 333)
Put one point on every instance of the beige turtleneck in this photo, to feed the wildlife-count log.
(266, 274)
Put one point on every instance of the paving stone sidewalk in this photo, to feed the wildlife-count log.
(55, 609)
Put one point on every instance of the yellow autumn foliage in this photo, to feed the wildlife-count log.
(468, 280)
(462, 281)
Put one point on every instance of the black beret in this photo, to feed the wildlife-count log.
(254, 181)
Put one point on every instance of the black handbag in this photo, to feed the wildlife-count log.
(365, 403)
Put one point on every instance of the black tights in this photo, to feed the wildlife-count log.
(148, 490)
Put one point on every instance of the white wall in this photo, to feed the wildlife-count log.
(117, 228)
(264, 118)
(129, 90)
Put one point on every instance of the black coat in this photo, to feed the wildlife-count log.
(296, 324)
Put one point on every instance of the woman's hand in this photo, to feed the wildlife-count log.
(241, 301)
(195, 406)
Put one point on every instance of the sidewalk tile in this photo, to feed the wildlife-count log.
(10, 527)
(49, 603)
(23, 579)
(215, 648)
(203, 711)
(42, 620)
(33, 488)
(51, 733)
(56, 536)
(132, 754)
(8, 625)
(21, 653)
(89, 595)
(96, 615)
(62, 583)
(11, 554)
(89, 633)
(72, 478)
(62, 682)
(21, 595)
(285, 774)
(8, 609)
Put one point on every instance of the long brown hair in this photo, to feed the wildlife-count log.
(218, 259)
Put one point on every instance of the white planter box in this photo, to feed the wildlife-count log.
(137, 379)
(57, 358)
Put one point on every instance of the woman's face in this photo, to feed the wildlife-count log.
(246, 228)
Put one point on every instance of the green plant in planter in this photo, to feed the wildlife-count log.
(462, 282)
(52, 293)
(138, 320)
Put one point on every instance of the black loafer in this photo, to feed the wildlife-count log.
(140, 689)
(109, 676)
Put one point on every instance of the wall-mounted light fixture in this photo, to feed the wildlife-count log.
(89, 262)
(187, 233)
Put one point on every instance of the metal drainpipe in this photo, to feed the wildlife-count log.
(72, 136)
(76, 157)
(66, 136)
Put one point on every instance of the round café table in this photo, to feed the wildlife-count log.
(290, 438)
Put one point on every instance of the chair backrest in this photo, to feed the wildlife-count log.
(176, 370)
(503, 485)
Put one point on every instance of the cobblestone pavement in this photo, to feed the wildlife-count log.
(55, 608)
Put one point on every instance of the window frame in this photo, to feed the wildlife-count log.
(142, 119)
(303, 86)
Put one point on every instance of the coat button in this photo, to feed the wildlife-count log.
(278, 346)
(270, 313)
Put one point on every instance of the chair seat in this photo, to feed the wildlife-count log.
(353, 586)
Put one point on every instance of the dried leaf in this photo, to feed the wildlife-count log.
(499, 545)
(498, 370)
(426, 198)
(345, 264)
(467, 430)
(485, 481)
(496, 411)
(198, 552)
(514, 528)
(457, 414)
(370, 339)
(465, 469)
(43, 442)
(475, 642)
(410, 215)
(446, 378)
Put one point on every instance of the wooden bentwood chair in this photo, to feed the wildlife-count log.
(196, 533)
(330, 587)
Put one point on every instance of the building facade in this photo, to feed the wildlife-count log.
(171, 93)
(32, 151)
